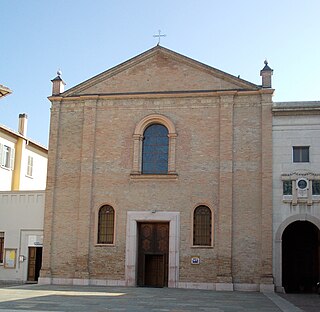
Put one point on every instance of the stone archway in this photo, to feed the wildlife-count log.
(300, 257)
(277, 261)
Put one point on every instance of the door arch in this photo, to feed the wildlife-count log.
(300, 257)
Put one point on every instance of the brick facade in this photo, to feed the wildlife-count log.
(221, 155)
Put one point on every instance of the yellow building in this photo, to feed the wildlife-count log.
(23, 162)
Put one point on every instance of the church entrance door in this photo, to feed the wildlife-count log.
(300, 257)
(153, 251)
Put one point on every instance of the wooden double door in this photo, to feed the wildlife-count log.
(34, 263)
(153, 252)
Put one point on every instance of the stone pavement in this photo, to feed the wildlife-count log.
(306, 302)
(44, 298)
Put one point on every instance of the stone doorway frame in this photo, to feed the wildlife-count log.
(133, 217)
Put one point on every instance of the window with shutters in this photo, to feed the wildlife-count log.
(30, 166)
(6, 156)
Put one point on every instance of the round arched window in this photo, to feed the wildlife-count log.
(202, 226)
(106, 225)
(155, 149)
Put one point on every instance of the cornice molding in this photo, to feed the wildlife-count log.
(164, 94)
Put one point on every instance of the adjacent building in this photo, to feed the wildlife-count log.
(4, 91)
(296, 195)
(23, 168)
(23, 162)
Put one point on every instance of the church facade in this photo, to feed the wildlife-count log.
(160, 174)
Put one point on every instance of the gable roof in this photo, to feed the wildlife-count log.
(15, 135)
(159, 70)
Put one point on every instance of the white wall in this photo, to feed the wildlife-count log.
(38, 179)
(21, 216)
(291, 131)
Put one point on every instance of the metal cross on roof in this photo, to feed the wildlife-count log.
(159, 36)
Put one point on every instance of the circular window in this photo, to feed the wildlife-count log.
(302, 184)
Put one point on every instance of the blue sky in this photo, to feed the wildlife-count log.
(84, 38)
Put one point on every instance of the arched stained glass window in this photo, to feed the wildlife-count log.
(106, 225)
(202, 226)
(155, 149)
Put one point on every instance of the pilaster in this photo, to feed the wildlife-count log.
(49, 212)
(19, 157)
(137, 153)
(266, 189)
(224, 239)
(85, 189)
(172, 153)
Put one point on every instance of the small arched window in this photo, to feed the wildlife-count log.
(106, 225)
(202, 226)
(155, 149)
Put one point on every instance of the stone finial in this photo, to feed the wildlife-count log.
(266, 74)
(58, 84)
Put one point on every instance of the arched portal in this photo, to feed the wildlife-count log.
(300, 257)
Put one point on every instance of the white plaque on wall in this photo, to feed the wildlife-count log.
(35, 240)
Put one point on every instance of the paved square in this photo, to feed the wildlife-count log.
(44, 298)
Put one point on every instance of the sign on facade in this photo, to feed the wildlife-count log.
(10, 258)
(195, 260)
(35, 240)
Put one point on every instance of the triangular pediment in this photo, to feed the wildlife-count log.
(159, 70)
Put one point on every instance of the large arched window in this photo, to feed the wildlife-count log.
(155, 149)
(202, 226)
(106, 225)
